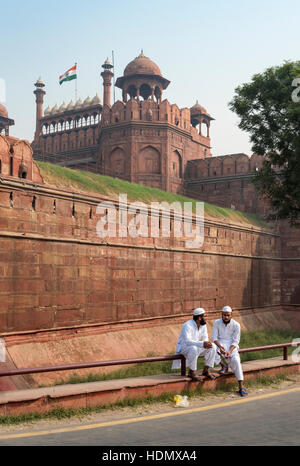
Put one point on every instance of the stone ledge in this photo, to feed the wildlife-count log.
(42, 400)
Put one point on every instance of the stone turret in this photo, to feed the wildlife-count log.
(39, 93)
(107, 76)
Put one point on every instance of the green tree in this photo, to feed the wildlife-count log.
(269, 109)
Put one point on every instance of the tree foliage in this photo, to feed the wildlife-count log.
(269, 110)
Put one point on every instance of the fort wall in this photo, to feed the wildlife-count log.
(56, 272)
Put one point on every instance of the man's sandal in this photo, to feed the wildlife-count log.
(243, 392)
(224, 370)
(194, 377)
(208, 375)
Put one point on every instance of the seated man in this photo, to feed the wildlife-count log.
(226, 333)
(191, 347)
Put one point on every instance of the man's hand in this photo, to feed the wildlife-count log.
(228, 353)
(207, 344)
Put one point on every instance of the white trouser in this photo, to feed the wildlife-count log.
(192, 353)
(234, 362)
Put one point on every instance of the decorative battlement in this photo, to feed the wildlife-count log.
(223, 166)
(151, 111)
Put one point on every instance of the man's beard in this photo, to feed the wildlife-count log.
(226, 322)
(202, 321)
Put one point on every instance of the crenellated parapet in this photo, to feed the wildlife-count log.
(223, 166)
(151, 111)
(16, 160)
(226, 181)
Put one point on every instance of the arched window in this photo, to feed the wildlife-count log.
(132, 91)
(145, 91)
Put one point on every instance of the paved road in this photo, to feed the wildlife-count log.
(268, 419)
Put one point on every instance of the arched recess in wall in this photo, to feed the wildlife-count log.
(228, 165)
(176, 164)
(149, 161)
(202, 169)
(242, 164)
(117, 162)
(215, 167)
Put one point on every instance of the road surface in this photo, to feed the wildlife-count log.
(271, 418)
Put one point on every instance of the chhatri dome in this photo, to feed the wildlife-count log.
(142, 65)
(142, 78)
(5, 121)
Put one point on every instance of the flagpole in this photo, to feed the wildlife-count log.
(113, 62)
(76, 83)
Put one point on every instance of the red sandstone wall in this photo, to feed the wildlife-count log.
(56, 272)
(290, 268)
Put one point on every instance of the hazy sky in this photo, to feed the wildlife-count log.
(206, 49)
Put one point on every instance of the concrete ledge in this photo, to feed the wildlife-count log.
(84, 395)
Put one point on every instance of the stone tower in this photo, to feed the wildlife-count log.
(39, 93)
(143, 138)
(107, 76)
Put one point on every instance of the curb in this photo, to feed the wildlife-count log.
(92, 394)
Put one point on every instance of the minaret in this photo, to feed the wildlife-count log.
(39, 93)
(107, 76)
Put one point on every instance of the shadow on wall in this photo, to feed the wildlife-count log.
(262, 288)
(295, 297)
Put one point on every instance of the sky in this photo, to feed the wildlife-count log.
(205, 48)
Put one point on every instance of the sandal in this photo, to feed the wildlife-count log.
(208, 375)
(243, 392)
(224, 370)
(194, 377)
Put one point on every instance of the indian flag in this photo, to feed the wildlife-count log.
(69, 75)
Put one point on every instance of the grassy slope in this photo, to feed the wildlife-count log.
(249, 339)
(108, 186)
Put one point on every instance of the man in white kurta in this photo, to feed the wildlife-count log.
(193, 342)
(226, 334)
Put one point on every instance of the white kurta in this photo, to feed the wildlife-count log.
(229, 335)
(191, 344)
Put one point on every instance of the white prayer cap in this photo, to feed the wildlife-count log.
(199, 311)
(227, 309)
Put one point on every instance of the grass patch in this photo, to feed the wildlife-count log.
(250, 338)
(137, 370)
(108, 186)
